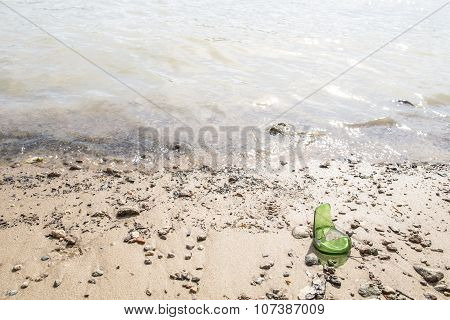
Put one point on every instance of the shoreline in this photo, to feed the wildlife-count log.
(219, 233)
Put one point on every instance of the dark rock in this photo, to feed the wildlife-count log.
(126, 212)
(430, 275)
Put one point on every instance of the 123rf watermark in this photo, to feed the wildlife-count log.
(249, 147)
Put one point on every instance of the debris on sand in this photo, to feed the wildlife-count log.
(316, 291)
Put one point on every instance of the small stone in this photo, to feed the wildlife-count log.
(148, 262)
(24, 285)
(443, 287)
(311, 259)
(71, 240)
(188, 256)
(97, 273)
(355, 225)
(150, 247)
(190, 246)
(426, 243)
(369, 289)
(171, 255)
(58, 234)
(134, 234)
(92, 281)
(11, 293)
(45, 258)
(112, 172)
(300, 232)
(429, 296)
(285, 274)
(34, 160)
(267, 265)
(53, 175)
(257, 281)
(126, 212)
(325, 165)
(56, 283)
(368, 251)
(16, 268)
(74, 167)
(390, 247)
(148, 292)
(201, 237)
(200, 247)
(415, 238)
(430, 275)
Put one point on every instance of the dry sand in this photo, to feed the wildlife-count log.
(59, 228)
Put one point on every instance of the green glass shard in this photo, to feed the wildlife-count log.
(327, 238)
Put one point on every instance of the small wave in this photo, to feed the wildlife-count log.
(440, 99)
(381, 122)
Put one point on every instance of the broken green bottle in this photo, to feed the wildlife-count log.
(328, 239)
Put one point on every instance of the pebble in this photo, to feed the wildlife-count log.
(147, 261)
(126, 212)
(16, 268)
(97, 273)
(71, 240)
(149, 247)
(267, 265)
(148, 292)
(390, 247)
(24, 285)
(171, 255)
(443, 288)
(75, 167)
(428, 274)
(190, 246)
(134, 234)
(311, 259)
(188, 256)
(45, 258)
(34, 160)
(201, 237)
(200, 248)
(58, 234)
(11, 293)
(429, 296)
(369, 289)
(300, 232)
(53, 175)
(57, 283)
(368, 251)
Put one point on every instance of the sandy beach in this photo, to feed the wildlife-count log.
(89, 229)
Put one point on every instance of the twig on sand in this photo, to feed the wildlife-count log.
(402, 293)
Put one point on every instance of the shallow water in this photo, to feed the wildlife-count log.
(226, 63)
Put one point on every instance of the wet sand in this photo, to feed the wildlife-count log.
(90, 230)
